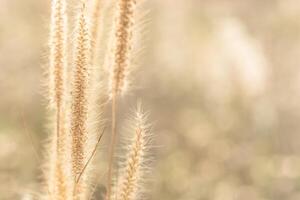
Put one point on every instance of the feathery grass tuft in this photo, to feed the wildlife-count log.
(121, 57)
(79, 101)
(57, 179)
(134, 168)
(58, 53)
(122, 45)
(76, 114)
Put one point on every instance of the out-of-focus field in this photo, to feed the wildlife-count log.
(220, 77)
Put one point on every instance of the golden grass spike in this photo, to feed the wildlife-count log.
(122, 45)
(79, 100)
(134, 167)
(121, 57)
(58, 63)
(57, 178)
(58, 55)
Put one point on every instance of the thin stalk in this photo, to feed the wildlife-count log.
(112, 144)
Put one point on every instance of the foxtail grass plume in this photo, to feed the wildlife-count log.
(79, 102)
(120, 67)
(122, 45)
(130, 185)
(57, 184)
(58, 53)
(74, 108)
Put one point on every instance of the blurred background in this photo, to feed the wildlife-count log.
(220, 77)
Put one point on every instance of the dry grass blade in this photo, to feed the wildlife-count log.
(91, 157)
(30, 137)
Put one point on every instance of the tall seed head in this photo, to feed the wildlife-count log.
(79, 94)
(58, 55)
(122, 45)
(57, 183)
(134, 168)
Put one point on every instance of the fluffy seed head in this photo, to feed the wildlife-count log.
(57, 183)
(79, 94)
(122, 45)
(57, 54)
(134, 168)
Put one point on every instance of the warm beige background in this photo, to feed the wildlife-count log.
(220, 77)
